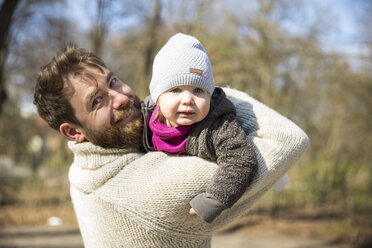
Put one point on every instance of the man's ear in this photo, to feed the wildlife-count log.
(71, 132)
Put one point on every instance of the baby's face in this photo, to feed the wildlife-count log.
(184, 105)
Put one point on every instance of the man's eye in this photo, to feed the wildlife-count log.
(175, 90)
(112, 83)
(198, 90)
(96, 101)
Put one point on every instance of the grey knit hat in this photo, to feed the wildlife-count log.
(181, 61)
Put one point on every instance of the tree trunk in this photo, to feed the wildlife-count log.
(99, 29)
(6, 12)
(149, 52)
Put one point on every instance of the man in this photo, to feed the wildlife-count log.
(124, 198)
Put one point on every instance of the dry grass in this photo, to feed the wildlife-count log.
(309, 223)
(37, 199)
(11, 216)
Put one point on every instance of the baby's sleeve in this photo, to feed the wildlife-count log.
(237, 168)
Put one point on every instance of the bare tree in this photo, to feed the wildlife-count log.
(133, 49)
(99, 28)
(6, 13)
(152, 30)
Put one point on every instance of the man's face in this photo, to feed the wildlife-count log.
(108, 110)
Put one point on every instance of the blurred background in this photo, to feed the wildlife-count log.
(309, 60)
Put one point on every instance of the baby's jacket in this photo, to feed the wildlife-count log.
(218, 137)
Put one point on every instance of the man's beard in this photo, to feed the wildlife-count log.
(128, 136)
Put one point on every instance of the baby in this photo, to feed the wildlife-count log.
(193, 116)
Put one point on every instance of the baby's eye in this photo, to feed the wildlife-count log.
(175, 90)
(112, 83)
(96, 101)
(198, 90)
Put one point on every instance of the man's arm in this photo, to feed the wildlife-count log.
(278, 143)
(155, 189)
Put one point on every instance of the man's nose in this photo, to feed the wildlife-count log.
(119, 99)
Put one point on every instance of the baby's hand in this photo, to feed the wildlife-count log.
(192, 212)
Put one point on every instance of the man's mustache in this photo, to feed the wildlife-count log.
(123, 112)
(126, 110)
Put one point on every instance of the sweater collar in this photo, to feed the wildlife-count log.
(94, 165)
(89, 156)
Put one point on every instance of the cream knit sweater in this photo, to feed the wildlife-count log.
(128, 199)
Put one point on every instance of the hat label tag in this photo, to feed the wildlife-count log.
(198, 71)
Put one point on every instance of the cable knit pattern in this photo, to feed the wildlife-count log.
(127, 199)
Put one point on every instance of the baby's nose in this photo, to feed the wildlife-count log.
(187, 98)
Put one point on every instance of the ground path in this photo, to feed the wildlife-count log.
(69, 237)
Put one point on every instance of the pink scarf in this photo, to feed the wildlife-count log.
(169, 139)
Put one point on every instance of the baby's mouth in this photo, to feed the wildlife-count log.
(186, 112)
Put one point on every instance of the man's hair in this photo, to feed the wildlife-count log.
(49, 99)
